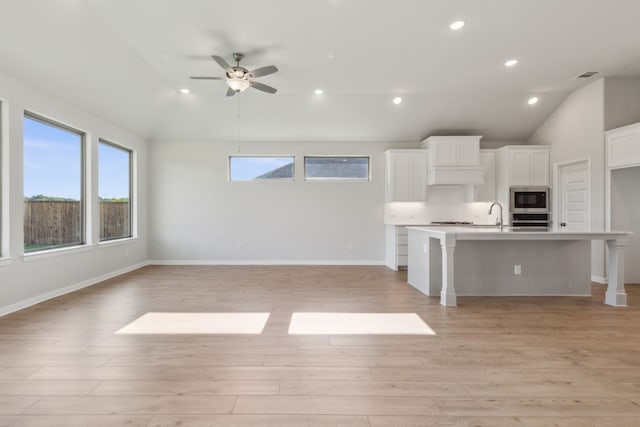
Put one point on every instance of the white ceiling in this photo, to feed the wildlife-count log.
(126, 61)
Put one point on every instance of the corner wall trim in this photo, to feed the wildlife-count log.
(599, 279)
(266, 262)
(67, 289)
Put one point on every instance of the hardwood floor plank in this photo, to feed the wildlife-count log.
(178, 387)
(538, 407)
(41, 388)
(386, 421)
(297, 373)
(119, 373)
(370, 388)
(75, 421)
(546, 389)
(335, 405)
(259, 421)
(132, 405)
(16, 404)
(356, 361)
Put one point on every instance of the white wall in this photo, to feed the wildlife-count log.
(621, 102)
(26, 280)
(201, 217)
(575, 130)
(625, 215)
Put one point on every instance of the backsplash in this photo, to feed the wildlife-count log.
(446, 203)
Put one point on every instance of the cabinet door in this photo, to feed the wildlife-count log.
(406, 176)
(468, 153)
(418, 176)
(444, 153)
(519, 165)
(399, 176)
(539, 168)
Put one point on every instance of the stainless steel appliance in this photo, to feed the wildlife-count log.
(530, 207)
(529, 200)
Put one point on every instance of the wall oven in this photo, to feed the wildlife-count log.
(530, 207)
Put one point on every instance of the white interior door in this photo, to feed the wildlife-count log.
(574, 195)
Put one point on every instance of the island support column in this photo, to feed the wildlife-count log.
(448, 292)
(616, 295)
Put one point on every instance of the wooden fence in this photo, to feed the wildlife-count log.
(53, 223)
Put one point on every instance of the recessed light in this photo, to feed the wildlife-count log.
(330, 55)
(397, 100)
(318, 91)
(456, 25)
(185, 91)
(533, 100)
(511, 63)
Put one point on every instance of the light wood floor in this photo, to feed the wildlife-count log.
(493, 361)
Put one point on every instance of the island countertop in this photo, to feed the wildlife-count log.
(519, 233)
(449, 236)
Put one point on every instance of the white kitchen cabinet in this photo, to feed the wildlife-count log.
(623, 146)
(406, 175)
(528, 166)
(453, 150)
(484, 192)
(396, 247)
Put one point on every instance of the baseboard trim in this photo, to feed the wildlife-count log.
(267, 262)
(67, 289)
(599, 279)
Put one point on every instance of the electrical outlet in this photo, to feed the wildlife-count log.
(517, 269)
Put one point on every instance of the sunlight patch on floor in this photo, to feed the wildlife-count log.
(358, 323)
(197, 323)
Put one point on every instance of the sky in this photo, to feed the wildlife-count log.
(52, 164)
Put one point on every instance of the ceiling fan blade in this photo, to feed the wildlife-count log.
(262, 87)
(230, 92)
(264, 71)
(205, 78)
(221, 62)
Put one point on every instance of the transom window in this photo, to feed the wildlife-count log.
(114, 190)
(351, 168)
(53, 184)
(261, 168)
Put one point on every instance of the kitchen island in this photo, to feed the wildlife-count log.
(526, 262)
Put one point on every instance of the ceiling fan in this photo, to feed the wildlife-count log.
(239, 78)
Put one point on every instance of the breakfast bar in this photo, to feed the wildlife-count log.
(490, 261)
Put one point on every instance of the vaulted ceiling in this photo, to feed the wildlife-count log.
(126, 62)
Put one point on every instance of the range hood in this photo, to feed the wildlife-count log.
(454, 160)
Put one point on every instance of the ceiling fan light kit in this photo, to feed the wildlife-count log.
(239, 78)
(237, 84)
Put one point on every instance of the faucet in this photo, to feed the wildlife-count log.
(491, 208)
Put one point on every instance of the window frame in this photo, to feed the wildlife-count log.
(267, 156)
(84, 196)
(131, 189)
(336, 179)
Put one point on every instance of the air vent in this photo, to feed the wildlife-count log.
(585, 75)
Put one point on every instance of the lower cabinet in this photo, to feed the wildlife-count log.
(396, 247)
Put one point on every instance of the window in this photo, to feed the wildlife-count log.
(242, 168)
(114, 191)
(53, 184)
(349, 168)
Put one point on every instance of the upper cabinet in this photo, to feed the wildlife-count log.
(527, 165)
(406, 175)
(454, 160)
(623, 146)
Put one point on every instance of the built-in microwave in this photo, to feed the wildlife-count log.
(529, 200)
